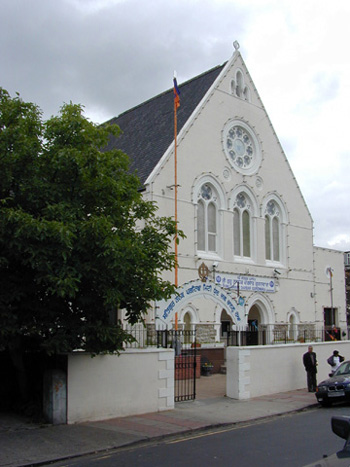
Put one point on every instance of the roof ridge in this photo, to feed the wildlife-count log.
(201, 74)
(148, 128)
(166, 92)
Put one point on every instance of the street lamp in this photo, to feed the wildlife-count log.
(330, 272)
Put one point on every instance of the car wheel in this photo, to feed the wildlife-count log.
(325, 403)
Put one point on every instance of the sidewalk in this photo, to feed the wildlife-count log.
(29, 444)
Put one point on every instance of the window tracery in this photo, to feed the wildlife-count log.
(242, 226)
(207, 219)
(273, 231)
(239, 87)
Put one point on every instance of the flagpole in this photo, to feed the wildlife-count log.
(175, 173)
(176, 105)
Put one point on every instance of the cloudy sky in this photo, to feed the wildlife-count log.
(110, 55)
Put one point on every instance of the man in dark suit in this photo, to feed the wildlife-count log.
(310, 364)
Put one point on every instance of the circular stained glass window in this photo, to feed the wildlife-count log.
(206, 192)
(272, 209)
(241, 201)
(241, 147)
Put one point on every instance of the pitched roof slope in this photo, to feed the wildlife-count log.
(148, 129)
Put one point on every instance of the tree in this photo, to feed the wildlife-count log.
(77, 240)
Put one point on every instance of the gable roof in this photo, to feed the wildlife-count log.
(148, 129)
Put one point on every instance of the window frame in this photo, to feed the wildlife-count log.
(251, 209)
(270, 247)
(203, 239)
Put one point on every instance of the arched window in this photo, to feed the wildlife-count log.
(207, 219)
(273, 231)
(242, 226)
(239, 87)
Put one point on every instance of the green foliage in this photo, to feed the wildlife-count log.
(77, 240)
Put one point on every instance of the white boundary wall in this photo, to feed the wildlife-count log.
(262, 370)
(107, 386)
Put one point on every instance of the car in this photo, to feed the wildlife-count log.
(336, 388)
(341, 427)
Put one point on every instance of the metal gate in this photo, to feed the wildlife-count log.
(187, 362)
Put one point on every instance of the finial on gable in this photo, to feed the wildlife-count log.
(236, 45)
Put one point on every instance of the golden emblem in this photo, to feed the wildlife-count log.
(203, 272)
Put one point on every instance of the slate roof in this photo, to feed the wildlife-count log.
(148, 129)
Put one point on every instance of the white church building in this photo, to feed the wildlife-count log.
(248, 258)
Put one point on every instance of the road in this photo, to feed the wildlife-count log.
(290, 440)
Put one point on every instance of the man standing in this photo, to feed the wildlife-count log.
(334, 361)
(310, 364)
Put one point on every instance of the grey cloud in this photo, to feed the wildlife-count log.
(112, 59)
(116, 57)
(328, 202)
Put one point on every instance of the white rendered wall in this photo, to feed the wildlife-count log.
(324, 259)
(262, 370)
(201, 156)
(107, 386)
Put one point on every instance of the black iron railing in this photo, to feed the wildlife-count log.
(147, 336)
(144, 336)
(271, 336)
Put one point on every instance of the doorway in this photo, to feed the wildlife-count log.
(254, 320)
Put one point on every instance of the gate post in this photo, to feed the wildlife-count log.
(55, 396)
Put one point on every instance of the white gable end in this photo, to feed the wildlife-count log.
(240, 206)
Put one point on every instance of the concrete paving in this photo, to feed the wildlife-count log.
(23, 443)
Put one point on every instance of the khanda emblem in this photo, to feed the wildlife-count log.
(203, 272)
